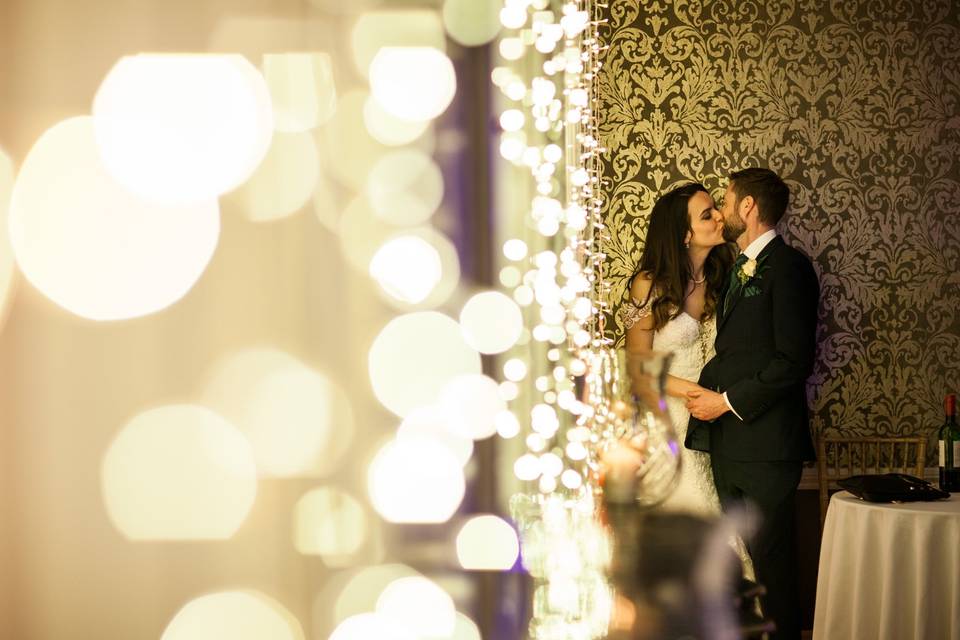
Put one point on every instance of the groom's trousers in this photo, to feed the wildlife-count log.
(770, 488)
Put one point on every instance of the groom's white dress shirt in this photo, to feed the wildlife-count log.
(752, 251)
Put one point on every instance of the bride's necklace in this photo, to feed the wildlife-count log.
(700, 281)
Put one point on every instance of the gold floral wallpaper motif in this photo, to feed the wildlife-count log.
(857, 105)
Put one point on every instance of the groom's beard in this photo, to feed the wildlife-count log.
(730, 234)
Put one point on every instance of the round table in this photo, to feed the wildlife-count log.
(889, 571)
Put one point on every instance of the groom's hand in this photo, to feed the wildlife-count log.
(706, 405)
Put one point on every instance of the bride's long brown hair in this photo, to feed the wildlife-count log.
(664, 259)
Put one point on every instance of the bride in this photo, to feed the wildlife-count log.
(673, 305)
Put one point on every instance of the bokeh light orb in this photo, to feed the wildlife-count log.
(90, 245)
(284, 182)
(418, 604)
(180, 128)
(434, 422)
(449, 267)
(407, 268)
(465, 629)
(508, 426)
(413, 83)
(414, 356)
(363, 588)
(178, 472)
(238, 615)
(302, 89)
(487, 543)
(472, 401)
(472, 22)
(387, 128)
(298, 420)
(405, 187)
(402, 27)
(331, 524)
(491, 322)
(370, 626)
(415, 480)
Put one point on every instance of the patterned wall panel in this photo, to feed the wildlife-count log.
(857, 105)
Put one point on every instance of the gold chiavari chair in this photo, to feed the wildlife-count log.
(842, 457)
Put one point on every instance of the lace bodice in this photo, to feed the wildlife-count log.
(690, 341)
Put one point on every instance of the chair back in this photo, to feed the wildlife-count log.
(843, 457)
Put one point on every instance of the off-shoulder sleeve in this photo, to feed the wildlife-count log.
(632, 311)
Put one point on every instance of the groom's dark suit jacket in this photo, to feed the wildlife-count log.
(765, 352)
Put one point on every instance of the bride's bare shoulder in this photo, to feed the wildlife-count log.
(640, 288)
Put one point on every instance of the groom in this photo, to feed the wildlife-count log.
(752, 414)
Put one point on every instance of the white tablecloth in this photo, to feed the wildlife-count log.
(889, 571)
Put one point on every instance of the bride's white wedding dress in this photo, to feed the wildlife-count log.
(691, 343)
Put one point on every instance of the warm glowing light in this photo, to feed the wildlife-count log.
(178, 472)
(515, 249)
(395, 28)
(552, 153)
(331, 524)
(431, 340)
(491, 322)
(349, 151)
(510, 276)
(511, 120)
(513, 16)
(514, 369)
(434, 422)
(298, 420)
(180, 128)
(508, 426)
(420, 605)
(465, 629)
(449, 265)
(415, 480)
(284, 181)
(90, 245)
(571, 479)
(405, 187)
(361, 591)
(487, 543)
(366, 626)
(472, 401)
(407, 268)
(527, 467)
(413, 83)
(472, 22)
(301, 88)
(387, 128)
(511, 48)
(238, 615)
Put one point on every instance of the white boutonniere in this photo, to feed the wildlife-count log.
(749, 275)
(747, 270)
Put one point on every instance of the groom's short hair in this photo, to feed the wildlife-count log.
(769, 191)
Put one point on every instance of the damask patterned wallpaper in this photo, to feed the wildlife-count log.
(857, 105)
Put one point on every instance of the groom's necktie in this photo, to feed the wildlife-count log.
(733, 287)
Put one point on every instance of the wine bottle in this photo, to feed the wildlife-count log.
(948, 441)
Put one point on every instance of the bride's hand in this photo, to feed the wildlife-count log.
(706, 405)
